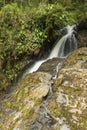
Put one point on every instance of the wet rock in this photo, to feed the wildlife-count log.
(51, 66)
(82, 38)
(35, 126)
(82, 25)
(82, 33)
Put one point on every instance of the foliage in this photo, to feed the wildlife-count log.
(26, 28)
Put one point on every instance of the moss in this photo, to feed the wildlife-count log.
(37, 102)
(29, 81)
(57, 83)
(75, 57)
(53, 108)
(58, 129)
(21, 94)
(2, 127)
(1, 114)
(8, 104)
(28, 113)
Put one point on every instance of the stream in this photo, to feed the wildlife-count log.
(62, 48)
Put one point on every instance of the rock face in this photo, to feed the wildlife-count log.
(71, 97)
(82, 33)
(51, 65)
(83, 24)
(41, 103)
(21, 107)
(82, 38)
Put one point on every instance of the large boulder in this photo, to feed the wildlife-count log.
(68, 106)
(21, 107)
(70, 99)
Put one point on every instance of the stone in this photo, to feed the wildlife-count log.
(40, 102)
(51, 65)
(23, 103)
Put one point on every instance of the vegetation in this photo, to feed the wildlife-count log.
(28, 28)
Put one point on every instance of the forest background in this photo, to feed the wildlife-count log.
(28, 30)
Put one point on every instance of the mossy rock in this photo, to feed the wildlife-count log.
(40, 102)
(21, 106)
(71, 95)
(77, 59)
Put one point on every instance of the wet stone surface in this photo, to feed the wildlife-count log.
(51, 66)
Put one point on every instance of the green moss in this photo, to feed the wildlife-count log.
(28, 113)
(57, 83)
(37, 102)
(76, 56)
(28, 81)
(53, 108)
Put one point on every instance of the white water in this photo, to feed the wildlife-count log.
(36, 66)
(58, 50)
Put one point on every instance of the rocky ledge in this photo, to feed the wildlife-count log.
(40, 102)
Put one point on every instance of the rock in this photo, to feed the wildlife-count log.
(82, 25)
(51, 65)
(77, 59)
(82, 38)
(22, 106)
(70, 96)
(69, 102)
(41, 103)
(82, 33)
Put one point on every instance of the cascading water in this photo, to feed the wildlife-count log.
(36, 65)
(66, 44)
(62, 48)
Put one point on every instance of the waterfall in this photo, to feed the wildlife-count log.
(66, 44)
(36, 66)
(62, 48)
